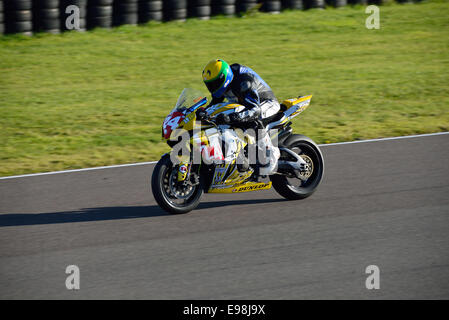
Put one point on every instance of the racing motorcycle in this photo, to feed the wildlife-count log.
(201, 162)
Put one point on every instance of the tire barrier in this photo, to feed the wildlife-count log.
(2, 18)
(82, 6)
(126, 12)
(175, 10)
(200, 9)
(271, 6)
(150, 10)
(362, 2)
(223, 7)
(314, 4)
(46, 16)
(99, 14)
(337, 3)
(293, 4)
(18, 16)
(26, 16)
(246, 5)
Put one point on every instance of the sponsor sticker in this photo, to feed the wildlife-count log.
(183, 168)
(252, 187)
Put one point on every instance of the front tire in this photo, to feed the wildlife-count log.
(163, 193)
(294, 188)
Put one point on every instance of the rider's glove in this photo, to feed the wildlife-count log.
(201, 114)
(222, 118)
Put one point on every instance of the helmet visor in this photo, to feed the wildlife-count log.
(215, 84)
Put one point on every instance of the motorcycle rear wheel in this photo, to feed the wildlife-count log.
(166, 195)
(294, 188)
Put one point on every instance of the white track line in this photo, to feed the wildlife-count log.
(386, 139)
(153, 162)
(78, 170)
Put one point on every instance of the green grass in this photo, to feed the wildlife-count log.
(99, 98)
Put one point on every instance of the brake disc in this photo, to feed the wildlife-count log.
(179, 190)
(308, 170)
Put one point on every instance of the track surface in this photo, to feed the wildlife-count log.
(384, 203)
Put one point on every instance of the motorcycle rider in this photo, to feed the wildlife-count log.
(240, 84)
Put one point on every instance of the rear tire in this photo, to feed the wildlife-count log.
(309, 148)
(161, 195)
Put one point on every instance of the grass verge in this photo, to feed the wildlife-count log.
(98, 98)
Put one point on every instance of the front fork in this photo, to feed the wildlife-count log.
(183, 161)
(184, 171)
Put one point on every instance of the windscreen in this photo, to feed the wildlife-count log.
(190, 98)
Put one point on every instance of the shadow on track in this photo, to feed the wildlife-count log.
(107, 213)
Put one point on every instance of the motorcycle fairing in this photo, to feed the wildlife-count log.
(246, 187)
(224, 107)
(226, 174)
(226, 177)
(296, 106)
(292, 108)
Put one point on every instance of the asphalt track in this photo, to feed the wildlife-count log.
(383, 203)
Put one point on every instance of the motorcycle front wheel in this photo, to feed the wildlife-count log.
(291, 187)
(168, 193)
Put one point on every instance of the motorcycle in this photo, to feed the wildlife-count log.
(211, 158)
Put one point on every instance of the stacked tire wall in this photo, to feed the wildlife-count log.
(363, 2)
(99, 13)
(18, 16)
(337, 3)
(2, 18)
(293, 4)
(272, 6)
(246, 5)
(150, 10)
(314, 4)
(28, 16)
(175, 10)
(46, 16)
(126, 12)
(223, 7)
(200, 9)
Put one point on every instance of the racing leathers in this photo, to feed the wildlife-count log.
(250, 90)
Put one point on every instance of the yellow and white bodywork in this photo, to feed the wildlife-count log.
(292, 108)
(227, 178)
